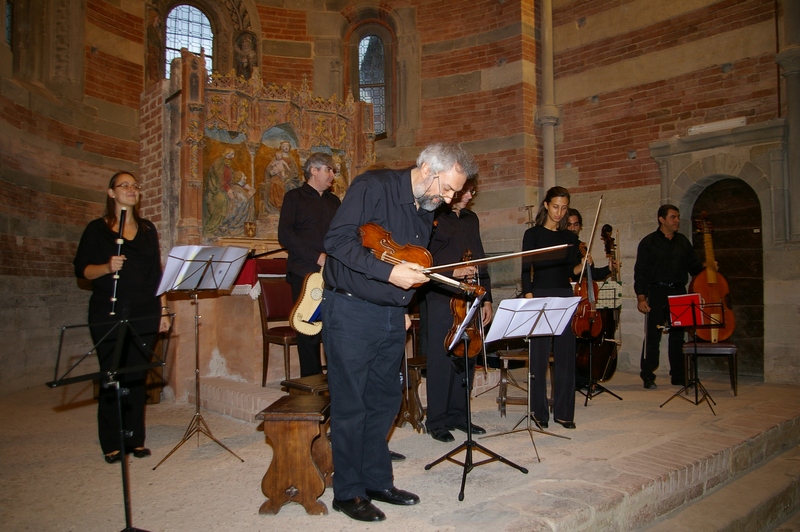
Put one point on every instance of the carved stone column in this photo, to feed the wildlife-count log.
(192, 126)
(789, 61)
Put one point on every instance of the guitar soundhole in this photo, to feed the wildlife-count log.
(316, 294)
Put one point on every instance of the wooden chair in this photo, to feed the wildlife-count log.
(275, 302)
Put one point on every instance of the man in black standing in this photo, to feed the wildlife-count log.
(456, 233)
(306, 215)
(365, 318)
(664, 260)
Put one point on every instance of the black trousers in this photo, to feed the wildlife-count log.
(364, 344)
(134, 353)
(308, 347)
(659, 317)
(563, 347)
(445, 375)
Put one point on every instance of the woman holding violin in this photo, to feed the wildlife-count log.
(550, 278)
(456, 234)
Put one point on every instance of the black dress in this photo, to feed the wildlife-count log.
(550, 278)
(136, 301)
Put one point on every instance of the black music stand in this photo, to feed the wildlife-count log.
(607, 298)
(191, 269)
(526, 318)
(108, 380)
(469, 445)
(688, 311)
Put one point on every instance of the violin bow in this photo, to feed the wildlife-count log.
(496, 258)
(591, 239)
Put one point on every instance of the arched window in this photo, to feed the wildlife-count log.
(371, 56)
(9, 20)
(188, 27)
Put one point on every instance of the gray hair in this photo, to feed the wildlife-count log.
(442, 156)
(316, 160)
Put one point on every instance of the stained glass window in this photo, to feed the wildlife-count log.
(9, 20)
(188, 27)
(372, 78)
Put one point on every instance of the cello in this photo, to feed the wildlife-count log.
(605, 346)
(713, 289)
(586, 322)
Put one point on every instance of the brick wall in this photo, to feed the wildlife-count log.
(599, 134)
(108, 76)
(287, 48)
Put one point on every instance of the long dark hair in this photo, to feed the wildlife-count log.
(554, 192)
(110, 215)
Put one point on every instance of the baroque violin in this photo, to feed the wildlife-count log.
(458, 308)
(713, 288)
(379, 241)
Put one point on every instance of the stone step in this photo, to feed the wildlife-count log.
(760, 499)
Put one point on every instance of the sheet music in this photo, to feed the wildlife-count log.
(186, 268)
(539, 316)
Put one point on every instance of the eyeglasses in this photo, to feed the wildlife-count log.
(126, 186)
(447, 189)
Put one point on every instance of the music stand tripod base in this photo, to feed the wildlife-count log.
(470, 445)
(679, 309)
(194, 268)
(198, 425)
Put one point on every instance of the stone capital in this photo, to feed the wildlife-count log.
(548, 115)
(789, 60)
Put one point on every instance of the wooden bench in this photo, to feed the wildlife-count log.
(302, 463)
(311, 385)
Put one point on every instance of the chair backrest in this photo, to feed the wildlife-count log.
(275, 300)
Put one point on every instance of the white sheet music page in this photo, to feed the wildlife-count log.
(538, 316)
(202, 268)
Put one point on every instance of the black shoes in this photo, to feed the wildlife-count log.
(566, 424)
(463, 428)
(441, 434)
(540, 424)
(650, 385)
(393, 496)
(113, 457)
(141, 452)
(396, 457)
(359, 508)
(678, 382)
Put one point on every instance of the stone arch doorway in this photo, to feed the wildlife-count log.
(734, 211)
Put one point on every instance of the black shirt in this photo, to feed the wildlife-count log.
(139, 277)
(548, 273)
(384, 197)
(663, 260)
(305, 218)
(453, 235)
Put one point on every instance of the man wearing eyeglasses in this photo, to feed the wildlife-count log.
(456, 236)
(306, 214)
(364, 316)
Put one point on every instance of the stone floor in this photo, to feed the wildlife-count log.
(627, 463)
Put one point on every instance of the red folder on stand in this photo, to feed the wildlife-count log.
(681, 308)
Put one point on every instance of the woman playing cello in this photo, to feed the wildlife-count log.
(550, 278)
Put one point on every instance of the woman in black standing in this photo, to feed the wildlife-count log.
(550, 278)
(139, 266)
